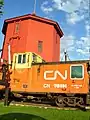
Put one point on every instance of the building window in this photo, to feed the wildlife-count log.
(17, 26)
(40, 46)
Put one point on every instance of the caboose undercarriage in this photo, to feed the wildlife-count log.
(56, 99)
(59, 99)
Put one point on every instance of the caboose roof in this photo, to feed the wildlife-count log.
(33, 17)
(63, 62)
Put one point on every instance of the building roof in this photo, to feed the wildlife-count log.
(33, 17)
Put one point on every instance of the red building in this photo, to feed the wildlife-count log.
(31, 33)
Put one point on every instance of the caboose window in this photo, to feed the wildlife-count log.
(34, 58)
(22, 59)
(19, 58)
(77, 72)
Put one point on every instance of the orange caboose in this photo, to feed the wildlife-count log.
(31, 75)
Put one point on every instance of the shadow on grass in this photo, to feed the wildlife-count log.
(20, 116)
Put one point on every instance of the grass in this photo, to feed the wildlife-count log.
(35, 113)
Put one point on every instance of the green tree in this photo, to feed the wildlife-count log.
(1, 5)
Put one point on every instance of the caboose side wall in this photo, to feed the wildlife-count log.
(32, 80)
(70, 86)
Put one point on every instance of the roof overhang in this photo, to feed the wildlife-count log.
(33, 17)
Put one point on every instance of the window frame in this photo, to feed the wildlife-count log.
(82, 71)
(21, 59)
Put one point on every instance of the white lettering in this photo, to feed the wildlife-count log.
(55, 85)
(79, 86)
(60, 85)
(46, 85)
(55, 73)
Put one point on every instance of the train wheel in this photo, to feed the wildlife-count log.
(60, 101)
(80, 102)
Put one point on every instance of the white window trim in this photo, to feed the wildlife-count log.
(82, 72)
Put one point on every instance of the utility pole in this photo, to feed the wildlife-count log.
(65, 54)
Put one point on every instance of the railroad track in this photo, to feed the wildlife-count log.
(40, 105)
(45, 105)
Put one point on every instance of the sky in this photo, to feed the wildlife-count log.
(71, 15)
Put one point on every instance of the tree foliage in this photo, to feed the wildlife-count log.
(1, 5)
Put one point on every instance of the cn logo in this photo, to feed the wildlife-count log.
(55, 74)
